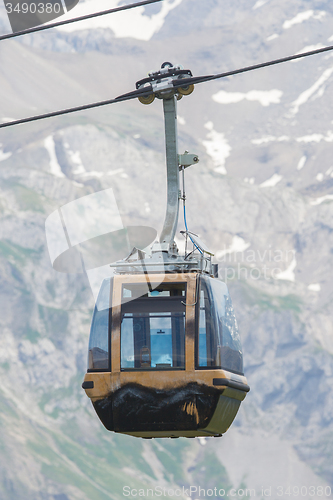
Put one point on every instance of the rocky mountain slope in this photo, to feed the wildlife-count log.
(261, 198)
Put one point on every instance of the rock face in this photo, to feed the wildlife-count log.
(261, 198)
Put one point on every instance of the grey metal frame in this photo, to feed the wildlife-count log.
(171, 144)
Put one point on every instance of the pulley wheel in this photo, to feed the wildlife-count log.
(147, 99)
(186, 90)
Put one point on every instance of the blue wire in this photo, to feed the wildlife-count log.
(188, 232)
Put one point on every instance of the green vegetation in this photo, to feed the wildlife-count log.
(32, 335)
(15, 253)
(265, 301)
(67, 462)
(6, 407)
(169, 452)
(56, 321)
(61, 469)
(28, 199)
(50, 288)
(210, 473)
(60, 394)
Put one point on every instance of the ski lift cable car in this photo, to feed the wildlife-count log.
(191, 383)
(165, 358)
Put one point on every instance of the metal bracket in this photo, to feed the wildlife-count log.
(171, 217)
(165, 84)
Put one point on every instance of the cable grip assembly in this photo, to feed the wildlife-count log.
(165, 83)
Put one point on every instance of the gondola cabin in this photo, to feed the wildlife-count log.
(165, 357)
(165, 361)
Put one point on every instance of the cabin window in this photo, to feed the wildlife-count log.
(218, 341)
(153, 327)
(209, 336)
(99, 342)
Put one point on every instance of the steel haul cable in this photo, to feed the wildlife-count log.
(76, 19)
(124, 97)
(148, 89)
(207, 78)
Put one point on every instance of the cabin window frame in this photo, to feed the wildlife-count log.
(215, 319)
(159, 368)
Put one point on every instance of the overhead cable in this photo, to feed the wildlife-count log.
(123, 97)
(148, 89)
(207, 78)
(76, 19)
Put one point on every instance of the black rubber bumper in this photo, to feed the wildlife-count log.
(231, 383)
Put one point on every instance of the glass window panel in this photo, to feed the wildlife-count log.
(98, 354)
(202, 331)
(127, 344)
(209, 337)
(161, 341)
(219, 342)
(153, 327)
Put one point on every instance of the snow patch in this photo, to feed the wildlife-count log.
(283, 138)
(314, 287)
(181, 120)
(54, 165)
(132, 23)
(264, 97)
(320, 177)
(147, 207)
(319, 94)
(6, 119)
(217, 148)
(300, 18)
(92, 173)
(305, 96)
(238, 244)
(319, 15)
(3, 155)
(308, 48)
(259, 3)
(116, 171)
(317, 137)
(272, 181)
(303, 16)
(249, 180)
(301, 163)
(264, 140)
(320, 200)
(288, 274)
(270, 138)
(76, 159)
(78, 184)
(272, 37)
